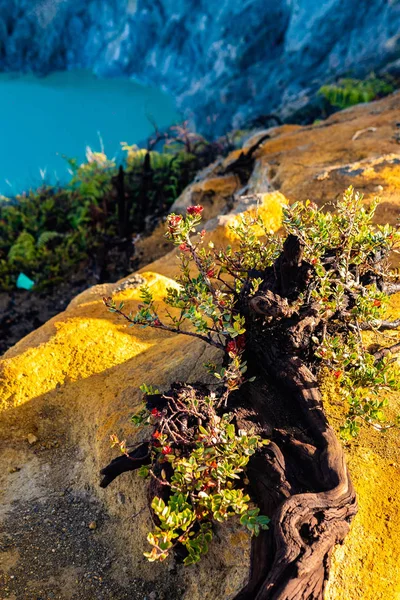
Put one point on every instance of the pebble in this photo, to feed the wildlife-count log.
(92, 525)
(121, 498)
(32, 439)
(14, 469)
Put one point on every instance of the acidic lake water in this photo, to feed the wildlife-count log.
(42, 119)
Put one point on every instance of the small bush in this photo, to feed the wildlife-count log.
(344, 262)
(348, 92)
(47, 232)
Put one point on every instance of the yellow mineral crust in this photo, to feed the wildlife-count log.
(269, 208)
(366, 566)
(77, 344)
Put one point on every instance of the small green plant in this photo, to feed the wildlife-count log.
(287, 308)
(348, 92)
(347, 255)
(363, 257)
(208, 458)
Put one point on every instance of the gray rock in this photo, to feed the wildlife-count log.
(228, 60)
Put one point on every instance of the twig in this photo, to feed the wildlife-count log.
(361, 131)
(377, 426)
(160, 481)
(205, 338)
(199, 266)
(385, 351)
(380, 325)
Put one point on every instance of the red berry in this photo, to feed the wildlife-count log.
(166, 450)
(337, 374)
(155, 412)
(194, 210)
(231, 347)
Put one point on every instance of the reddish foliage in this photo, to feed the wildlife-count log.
(194, 210)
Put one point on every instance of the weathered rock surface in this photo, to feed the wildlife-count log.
(223, 61)
(75, 381)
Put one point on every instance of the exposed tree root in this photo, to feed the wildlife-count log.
(303, 483)
(308, 524)
(138, 457)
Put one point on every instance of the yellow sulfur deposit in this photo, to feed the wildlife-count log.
(269, 208)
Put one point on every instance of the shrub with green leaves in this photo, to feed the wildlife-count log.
(348, 92)
(208, 459)
(207, 302)
(47, 232)
(358, 270)
(342, 270)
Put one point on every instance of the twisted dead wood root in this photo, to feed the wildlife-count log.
(294, 563)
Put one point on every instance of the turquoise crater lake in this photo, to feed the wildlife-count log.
(42, 119)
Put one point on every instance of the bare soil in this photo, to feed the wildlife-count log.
(57, 541)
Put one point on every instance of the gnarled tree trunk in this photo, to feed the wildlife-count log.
(303, 483)
(300, 480)
(303, 480)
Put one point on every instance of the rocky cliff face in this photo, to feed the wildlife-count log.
(223, 61)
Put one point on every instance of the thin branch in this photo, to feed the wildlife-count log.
(219, 278)
(385, 351)
(199, 266)
(160, 481)
(376, 426)
(392, 288)
(380, 325)
(205, 338)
